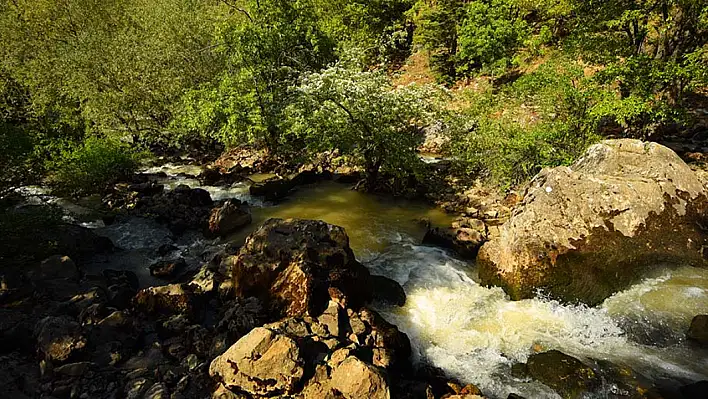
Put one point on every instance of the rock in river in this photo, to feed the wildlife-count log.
(228, 218)
(297, 266)
(586, 231)
(698, 331)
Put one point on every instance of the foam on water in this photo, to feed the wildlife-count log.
(476, 334)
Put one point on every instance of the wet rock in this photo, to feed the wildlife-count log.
(306, 177)
(168, 269)
(58, 338)
(73, 369)
(212, 176)
(122, 286)
(586, 231)
(698, 331)
(180, 209)
(387, 291)
(272, 190)
(228, 218)
(624, 381)
(296, 266)
(261, 363)
(390, 348)
(56, 267)
(465, 241)
(695, 391)
(565, 374)
(167, 300)
(147, 188)
(74, 241)
(19, 377)
(355, 379)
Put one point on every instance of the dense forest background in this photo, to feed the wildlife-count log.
(88, 87)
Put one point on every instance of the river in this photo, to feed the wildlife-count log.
(471, 332)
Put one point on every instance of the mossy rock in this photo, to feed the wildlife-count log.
(567, 375)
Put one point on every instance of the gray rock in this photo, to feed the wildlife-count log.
(586, 231)
(228, 218)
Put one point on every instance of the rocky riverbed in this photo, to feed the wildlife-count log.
(197, 284)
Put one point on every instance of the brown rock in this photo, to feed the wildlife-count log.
(58, 338)
(356, 379)
(167, 299)
(294, 266)
(586, 231)
(565, 374)
(228, 218)
(261, 363)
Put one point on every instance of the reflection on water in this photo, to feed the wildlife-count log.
(371, 222)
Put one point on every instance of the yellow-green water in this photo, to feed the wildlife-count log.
(372, 222)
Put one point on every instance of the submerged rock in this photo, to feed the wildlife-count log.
(565, 374)
(296, 266)
(698, 331)
(586, 231)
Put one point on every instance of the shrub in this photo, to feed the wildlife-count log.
(89, 167)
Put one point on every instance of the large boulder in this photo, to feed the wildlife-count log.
(296, 266)
(586, 231)
(261, 363)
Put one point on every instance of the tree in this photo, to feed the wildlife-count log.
(437, 26)
(362, 115)
(267, 45)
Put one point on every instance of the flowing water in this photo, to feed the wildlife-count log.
(472, 332)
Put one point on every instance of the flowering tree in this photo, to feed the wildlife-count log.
(363, 115)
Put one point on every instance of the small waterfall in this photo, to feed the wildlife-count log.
(476, 334)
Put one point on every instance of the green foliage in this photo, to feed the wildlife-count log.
(89, 167)
(543, 119)
(273, 42)
(363, 116)
(437, 31)
(489, 35)
(376, 29)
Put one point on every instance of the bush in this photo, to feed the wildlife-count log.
(89, 167)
